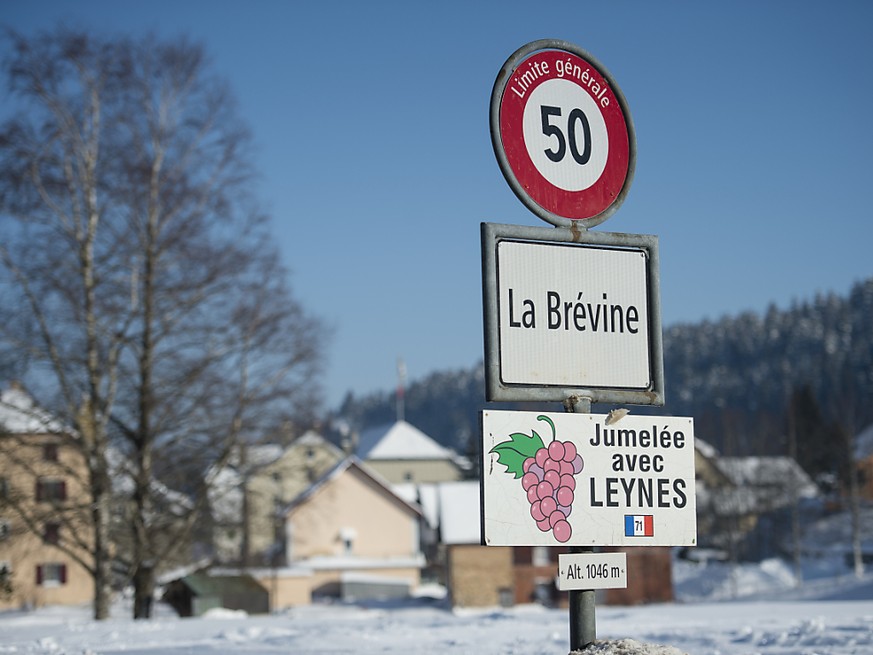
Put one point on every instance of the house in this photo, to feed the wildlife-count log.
(45, 533)
(744, 503)
(403, 453)
(248, 496)
(711, 485)
(348, 535)
(475, 575)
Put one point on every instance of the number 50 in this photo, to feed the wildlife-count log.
(577, 116)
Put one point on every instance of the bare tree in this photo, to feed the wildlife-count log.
(55, 240)
(169, 308)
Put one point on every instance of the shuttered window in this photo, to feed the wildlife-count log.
(48, 489)
(52, 574)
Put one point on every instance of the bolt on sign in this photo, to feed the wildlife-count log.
(587, 480)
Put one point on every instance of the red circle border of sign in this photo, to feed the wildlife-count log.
(562, 208)
(570, 204)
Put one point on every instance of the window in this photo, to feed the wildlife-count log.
(51, 575)
(347, 537)
(50, 452)
(5, 578)
(540, 556)
(48, 489)
(51, 533)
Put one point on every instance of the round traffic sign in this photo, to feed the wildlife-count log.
(562, 134)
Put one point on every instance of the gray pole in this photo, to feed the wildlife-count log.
(583, 630)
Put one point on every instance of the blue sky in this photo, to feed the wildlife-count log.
(371, 125)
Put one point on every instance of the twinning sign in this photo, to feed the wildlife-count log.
(583, 480)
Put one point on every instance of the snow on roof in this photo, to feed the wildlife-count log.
(122, 472)
(423, 494)
(773, 479)
(337, 470)
(706, 449)
(460, 515)
(262, 455)
(19, 414)
(400, 441)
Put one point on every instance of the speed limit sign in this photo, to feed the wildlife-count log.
(562, 134)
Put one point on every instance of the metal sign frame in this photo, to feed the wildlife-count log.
(496, 390)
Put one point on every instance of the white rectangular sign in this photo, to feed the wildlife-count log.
(578, 571)
(587, 480)
(573, 315)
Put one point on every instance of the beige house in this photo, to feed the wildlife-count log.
(348, 535)
(248, 497)
(45, 531)
(401, 453)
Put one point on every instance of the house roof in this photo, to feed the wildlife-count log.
(423, 494)
(259, 456)
(341, 467)
(767, 471)
(399, 441)
(763, 484)
(460, 512)
(203, 584)
(19, 414)
(705, 448)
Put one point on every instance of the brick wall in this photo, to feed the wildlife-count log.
(649, 577)
(480, 576)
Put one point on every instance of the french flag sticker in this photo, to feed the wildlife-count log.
(639, 525)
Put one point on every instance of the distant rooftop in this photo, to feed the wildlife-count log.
(19, 414)
(399, 441)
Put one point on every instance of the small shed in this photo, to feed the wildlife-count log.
(197, 593)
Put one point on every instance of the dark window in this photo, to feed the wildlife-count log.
(50, 452)
(50, 490)
(51, 533)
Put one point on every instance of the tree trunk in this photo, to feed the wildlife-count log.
(144, 590)
(102, 564)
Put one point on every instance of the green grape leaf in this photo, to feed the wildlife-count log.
(512, 453)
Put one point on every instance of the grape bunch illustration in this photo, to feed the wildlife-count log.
(547, 476)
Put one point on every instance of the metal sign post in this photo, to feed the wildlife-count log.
(573, 316)
(582, 609)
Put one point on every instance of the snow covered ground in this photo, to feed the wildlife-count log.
(722, 610)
